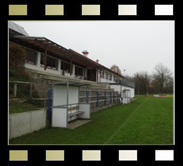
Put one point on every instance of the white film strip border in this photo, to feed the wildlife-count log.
(91, 155)
(92, 10)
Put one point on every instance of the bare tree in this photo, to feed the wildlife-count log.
(142, 81)
(161, 76)
(116, 69)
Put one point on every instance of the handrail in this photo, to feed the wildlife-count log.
(64, 106)
(20, 82)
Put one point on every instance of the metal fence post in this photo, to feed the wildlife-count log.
(117, 96)
(30, 89)
(97, 97)
(15, 90)
(104, 98)
(113, 97)
(110, 97)
(87, 96)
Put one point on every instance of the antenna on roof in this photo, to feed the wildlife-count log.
(85, 52)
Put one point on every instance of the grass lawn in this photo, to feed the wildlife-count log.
(21, 107)
(144, 121)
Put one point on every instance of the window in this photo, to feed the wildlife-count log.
(106, 76)
(31, 57)
(110, 77)
(102, 73)
(78, 71)
(51, 63)
(115, 79)
(65, 66)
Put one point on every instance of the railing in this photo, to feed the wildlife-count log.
(20, 82)
(99, 98)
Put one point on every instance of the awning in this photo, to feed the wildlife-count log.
(41, 44)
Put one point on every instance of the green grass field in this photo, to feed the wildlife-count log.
(146, 120)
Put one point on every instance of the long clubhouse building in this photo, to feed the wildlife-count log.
(47, 56)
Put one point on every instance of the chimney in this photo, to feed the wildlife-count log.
(85, 53)
(97, 60)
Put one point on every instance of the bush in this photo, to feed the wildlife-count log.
(16, 75)
(37, 103)
(17, 56)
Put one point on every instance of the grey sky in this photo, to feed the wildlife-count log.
(132, 45)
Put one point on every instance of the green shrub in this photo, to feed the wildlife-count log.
(17, 56)
(37, 103)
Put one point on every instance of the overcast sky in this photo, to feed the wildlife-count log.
(134, 46)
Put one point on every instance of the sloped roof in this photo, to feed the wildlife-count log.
(92, 61)
(17, 28)
(124, 82)
(40, 43)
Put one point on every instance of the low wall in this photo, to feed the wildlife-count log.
(26, 122)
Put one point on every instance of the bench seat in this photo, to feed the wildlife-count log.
(75, 113)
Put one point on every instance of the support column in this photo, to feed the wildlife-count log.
(15, 90)
(73, 70)
(38, 59)
(63, 72)
(86, 73)
(45, 58)
(59, 66)
(96, 75)
(91, 78)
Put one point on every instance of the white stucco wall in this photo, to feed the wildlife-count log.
(116, 88)
(29, 66)
(105, 80)
(132, 92)
(120, 88)
(40, 67)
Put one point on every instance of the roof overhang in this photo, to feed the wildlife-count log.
(54, 49)
(98, 65)
(126, 83)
